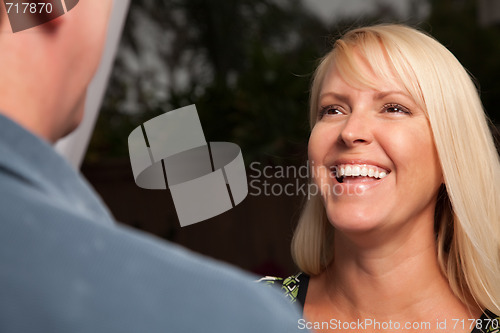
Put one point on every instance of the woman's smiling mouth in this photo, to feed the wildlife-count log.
(358, 172)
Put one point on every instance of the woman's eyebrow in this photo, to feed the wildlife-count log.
(340, 97)
(383, 94)
(378, 96)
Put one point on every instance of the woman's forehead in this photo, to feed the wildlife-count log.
(364, 78)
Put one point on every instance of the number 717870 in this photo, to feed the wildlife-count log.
(29, 7)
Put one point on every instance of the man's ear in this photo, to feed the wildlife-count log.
(26, 14)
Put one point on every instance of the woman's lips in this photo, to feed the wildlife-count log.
(358, 180)
(358, 173)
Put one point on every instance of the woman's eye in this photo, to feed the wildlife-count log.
(329, 110)
(396, 108)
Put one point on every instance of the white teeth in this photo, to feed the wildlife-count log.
(348, 171)
(354, 170)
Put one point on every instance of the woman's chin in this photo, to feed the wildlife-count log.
(355, 221)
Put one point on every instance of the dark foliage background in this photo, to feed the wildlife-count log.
(247, 66)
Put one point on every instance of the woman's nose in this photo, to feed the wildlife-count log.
(356, 130)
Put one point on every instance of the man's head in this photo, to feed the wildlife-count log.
(46, 69)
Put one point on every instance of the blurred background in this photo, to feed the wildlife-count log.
(247, 64)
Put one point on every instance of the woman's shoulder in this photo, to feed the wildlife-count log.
(293, 287)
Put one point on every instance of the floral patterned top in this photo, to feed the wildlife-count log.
(295, 287)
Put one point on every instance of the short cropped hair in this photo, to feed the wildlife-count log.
(467, 213)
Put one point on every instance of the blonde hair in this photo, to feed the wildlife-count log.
(468, 209)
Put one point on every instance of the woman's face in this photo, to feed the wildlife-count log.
(373, 157)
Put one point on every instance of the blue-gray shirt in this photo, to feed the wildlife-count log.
(66, 267)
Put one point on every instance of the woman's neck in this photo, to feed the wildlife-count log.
(383, 282)
(395, 276)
